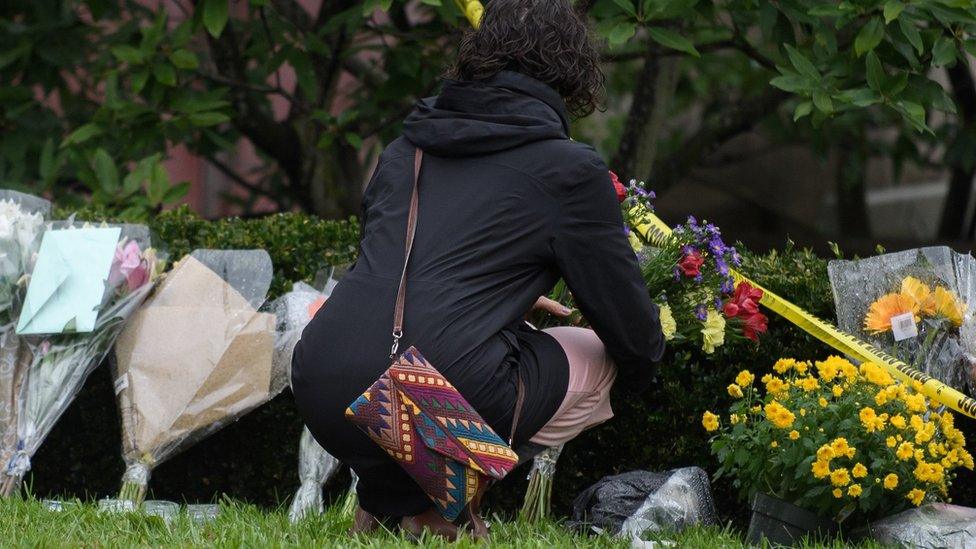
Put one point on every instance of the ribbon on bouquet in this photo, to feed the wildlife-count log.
(656, 230)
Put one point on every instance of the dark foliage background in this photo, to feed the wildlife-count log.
(255, 459)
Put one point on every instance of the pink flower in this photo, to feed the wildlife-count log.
(128, 265)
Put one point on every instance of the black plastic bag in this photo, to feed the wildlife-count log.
(639, 501)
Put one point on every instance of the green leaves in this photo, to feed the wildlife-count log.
(105, 171)
(215, 15)
(869, 36)
(673, 40)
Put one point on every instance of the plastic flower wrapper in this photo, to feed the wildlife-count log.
(194, 358)
(22, 219)
(315, 468)
(915, 304)
(293, 312)
(85, 285)
(836, 439)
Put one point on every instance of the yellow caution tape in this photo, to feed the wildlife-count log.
(472, 9)
(656, 230)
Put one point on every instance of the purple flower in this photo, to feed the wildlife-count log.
(736, 258)
(721, 266)
(717, 246)
(677, 273)
(701, 312)
(728, 286)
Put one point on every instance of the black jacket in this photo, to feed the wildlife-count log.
(508, 205)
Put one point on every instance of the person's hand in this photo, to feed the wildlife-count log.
(552, 307)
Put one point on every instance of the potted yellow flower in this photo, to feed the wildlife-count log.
(815, 445)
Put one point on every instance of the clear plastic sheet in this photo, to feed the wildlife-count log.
(293, 312)
(941, 349)
(315, 468)
(54, 366)
(931, 526)
(196, 357)
(22, 221)
(637, 502)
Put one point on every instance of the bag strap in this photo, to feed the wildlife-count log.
(418, 160)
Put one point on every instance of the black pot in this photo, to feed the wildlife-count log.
(782, 523)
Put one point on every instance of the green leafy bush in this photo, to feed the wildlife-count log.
(256, 459)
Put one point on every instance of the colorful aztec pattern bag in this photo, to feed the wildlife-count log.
(424, 423)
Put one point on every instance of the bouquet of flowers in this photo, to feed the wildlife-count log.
(21, 223)
(195, 358)
(836, 439)
(85, 285)
(915, 305)
(688, 276)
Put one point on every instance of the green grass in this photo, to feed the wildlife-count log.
(28, 523)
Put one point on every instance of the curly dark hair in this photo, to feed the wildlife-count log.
(544, 39)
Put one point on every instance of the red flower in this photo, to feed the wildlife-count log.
(744, 305)
(755, 325)
(619, 187)
(691, 263)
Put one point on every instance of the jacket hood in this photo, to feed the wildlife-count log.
(472, 118)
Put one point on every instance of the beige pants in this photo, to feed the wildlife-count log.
(587, 401)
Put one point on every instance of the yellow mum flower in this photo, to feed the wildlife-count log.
(898, 421)
(840, 477)
(809, 384)
(915, 403)
(870, 420)
(891, 442)
(829, 369)
(842, 448)
(735, 391)
(826, 453)
(820, 468)
(837, 390)
(794, 434)
(920, 293)
(878, 319)
(859, 471)
(801, 367)
(778, 415)
(916, 496)
(854, 490)
(838, 493)
(713, 331)
(905, 451)
(947, 305)
(775, 386)
(774, 444)
(891, 481)
(668, 326)
(784, 365)
(876, 374)
(710, 421)
(822, 402)
(745, 378)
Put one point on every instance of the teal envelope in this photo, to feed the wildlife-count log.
(68, 281)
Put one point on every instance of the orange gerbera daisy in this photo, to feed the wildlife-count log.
(947, 305)
(921, 293)
(879, 315)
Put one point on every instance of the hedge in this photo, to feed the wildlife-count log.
(255, 460)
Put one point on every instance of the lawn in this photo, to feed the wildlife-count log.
(28, 523)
